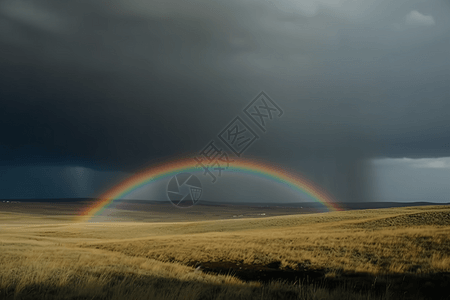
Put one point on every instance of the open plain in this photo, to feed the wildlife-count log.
(391, 253)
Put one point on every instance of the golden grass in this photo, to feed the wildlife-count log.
(148, 260)
(59, 272)
(375, 241)
(89, 271)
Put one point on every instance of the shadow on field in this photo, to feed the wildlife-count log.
(273, 284)
(409, 286)
(98, 285)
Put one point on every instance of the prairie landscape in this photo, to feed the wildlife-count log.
(279, 122)
(391, 253)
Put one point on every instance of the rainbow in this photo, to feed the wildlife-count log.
(169, 169)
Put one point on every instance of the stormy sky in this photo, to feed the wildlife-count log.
(92, 91)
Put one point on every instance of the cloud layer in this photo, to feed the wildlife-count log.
(410, 180)
(416, 18)
(114, 85)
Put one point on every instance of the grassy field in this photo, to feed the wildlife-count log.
(51, 257)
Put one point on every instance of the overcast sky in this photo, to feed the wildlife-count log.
(110, 86)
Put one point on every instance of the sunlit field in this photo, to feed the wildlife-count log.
(393, 253)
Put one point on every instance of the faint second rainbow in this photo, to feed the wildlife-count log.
(277, 174)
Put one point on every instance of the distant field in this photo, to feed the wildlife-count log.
(49, 254)
(136, 211)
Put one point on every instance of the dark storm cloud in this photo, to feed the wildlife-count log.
(117, 84)
(117, 89)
